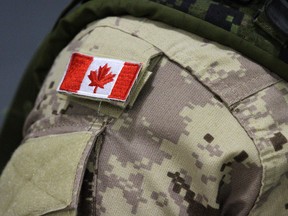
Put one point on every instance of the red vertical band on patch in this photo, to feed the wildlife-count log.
(75, 72)
(124, 81)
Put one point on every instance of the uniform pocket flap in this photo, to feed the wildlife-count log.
(44, 174)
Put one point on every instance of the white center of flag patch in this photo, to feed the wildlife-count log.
(101, 78)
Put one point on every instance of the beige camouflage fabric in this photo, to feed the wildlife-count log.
(207, 135)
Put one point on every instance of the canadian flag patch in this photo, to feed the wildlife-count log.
(101, 78)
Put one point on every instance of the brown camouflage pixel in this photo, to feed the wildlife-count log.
(207, 134)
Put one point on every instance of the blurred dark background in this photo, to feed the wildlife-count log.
(24, 24)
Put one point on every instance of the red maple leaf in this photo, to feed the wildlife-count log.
(101, 77)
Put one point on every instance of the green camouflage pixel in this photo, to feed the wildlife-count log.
(187, 146)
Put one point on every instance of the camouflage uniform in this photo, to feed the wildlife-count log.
(204, 133)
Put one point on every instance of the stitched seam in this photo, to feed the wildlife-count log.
(242, 123)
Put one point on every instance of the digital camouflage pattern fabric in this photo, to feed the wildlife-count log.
(202, 138)
(244, 28)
